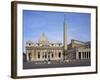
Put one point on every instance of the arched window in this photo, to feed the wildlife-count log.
(85, 55)
(52, 44)
(30, 55)
(52, 55)
(38, 54)
(79, 55)
(42, 56)
(29, 44)
(45, 55)
(59, 54)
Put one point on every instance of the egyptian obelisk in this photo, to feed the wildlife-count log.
(65, 37)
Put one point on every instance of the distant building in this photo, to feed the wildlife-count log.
(78, 50)
(49, 51)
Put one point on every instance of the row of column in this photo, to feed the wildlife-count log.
(84, 55)
(43, 55)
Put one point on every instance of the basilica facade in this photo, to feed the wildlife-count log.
(44, 50)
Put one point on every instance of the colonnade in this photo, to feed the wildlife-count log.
(83, 55)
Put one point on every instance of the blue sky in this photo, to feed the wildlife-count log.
(51, 23)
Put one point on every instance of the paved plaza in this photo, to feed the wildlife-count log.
(53, 64)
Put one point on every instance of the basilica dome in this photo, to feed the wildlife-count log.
(43, 39)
